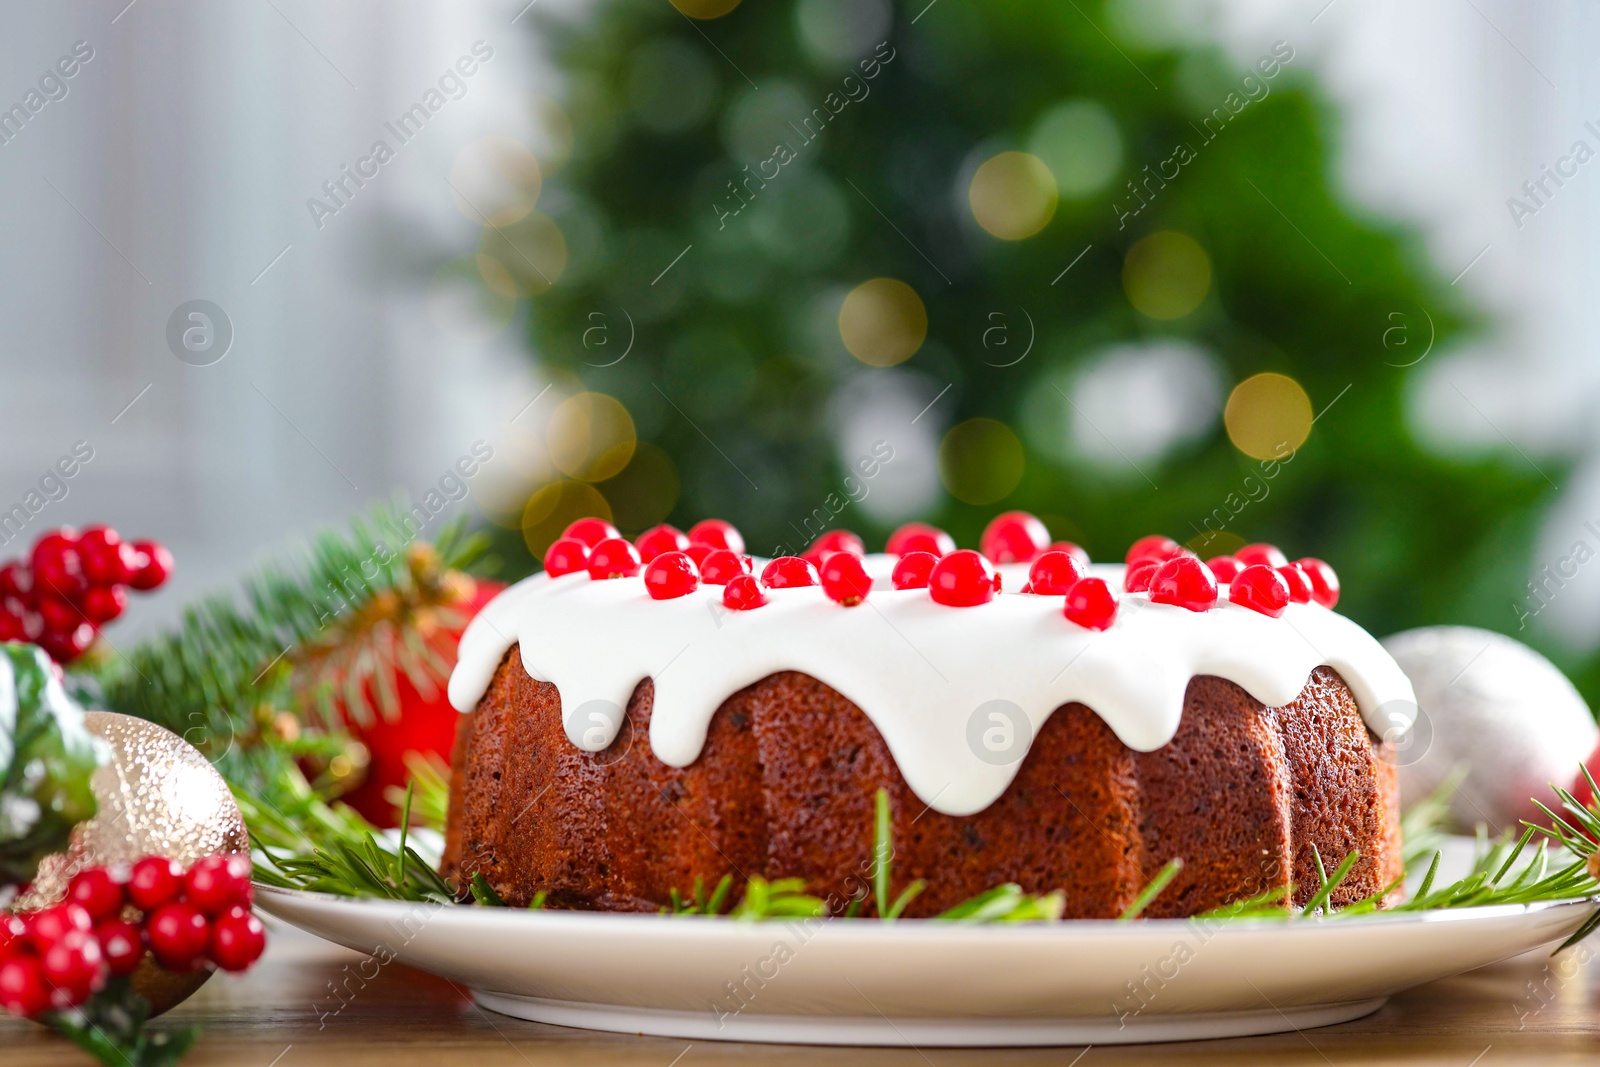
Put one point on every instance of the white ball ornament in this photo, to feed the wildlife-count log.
(1498, 708)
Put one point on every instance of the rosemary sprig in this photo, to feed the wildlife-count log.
(882, 861)
(1149, 893)
(784, 898)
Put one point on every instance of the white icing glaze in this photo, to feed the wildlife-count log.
(925, 674)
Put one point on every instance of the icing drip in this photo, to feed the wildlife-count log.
(936, 681)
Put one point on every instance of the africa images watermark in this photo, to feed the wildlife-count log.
(53, 85)
(1145, 191)
(52, 487)
(851, 90)
(341, 189)
(855, 490)
(1548, 582)
(1256, 488)
(1540, 190)
(343, 989)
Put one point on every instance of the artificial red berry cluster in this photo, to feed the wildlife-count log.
(74, 583)
(58, 957)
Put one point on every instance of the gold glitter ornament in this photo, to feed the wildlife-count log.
(158, 797)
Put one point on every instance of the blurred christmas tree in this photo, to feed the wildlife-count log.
(1049, 259)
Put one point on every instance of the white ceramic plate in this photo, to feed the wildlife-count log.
(840, 982)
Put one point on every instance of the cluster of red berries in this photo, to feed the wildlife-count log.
(1259, 577)
(674, 564)
(74, 583)
(58, 957)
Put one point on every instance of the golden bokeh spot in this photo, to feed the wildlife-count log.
(646, 490)
(531, 255)
(497, 277)
(883, 322)
(980, 461)
(1013, 195)
(1268, 416)
(1214, 543)
(554, 507)
(590, 437)
(495, 181)
(1166, 275)
(705, 9)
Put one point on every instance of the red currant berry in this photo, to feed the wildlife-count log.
(1013, 537)
(1091, 604)
(670, 576)
(698, 553)
(1053, 573)
(564, 556)
(15, 579)
(216, 883)
(717, 534)
(121, 944)
(1299, 583)
(722, 565)
(1077, 552)
(614, 558)
(237, 940)
(98, 891)
(963, 579)
(178, 935)
(47, 927)
(1152, 549)
(99, 550)
(1136, 579)
(59, 574)
(920, 537)
(659, 539)
(1260, 588)
(12, 627)
(22, 987)
(591, 531)
(831, 542)
(157, 567)
(1324, 582)
(1186, 582)
(1269, 555)
(844, 579)
(912, 570)
(102, 603)
(75, 967)
(1224, 567)
(154, 881)
(789, 572)
(743, 593)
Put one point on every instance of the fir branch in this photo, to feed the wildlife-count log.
(111, 1028)
(236, 662)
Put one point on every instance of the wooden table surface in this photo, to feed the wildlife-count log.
(1529, 1010)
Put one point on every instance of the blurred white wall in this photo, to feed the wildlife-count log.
(177, 166)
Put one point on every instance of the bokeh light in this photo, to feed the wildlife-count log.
(495, 181)
(671, 85)
(1134, 404)
(705, 9)
(839, 31)
(1080, 143)
(883, 322)
(591, 437)
(1268, 415)
(552, 508)
(1166, 275)
(980, 461)
(755, 123)
(646, 490)
(530, 255)
(1013, 195)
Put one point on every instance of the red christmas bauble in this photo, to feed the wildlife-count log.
(417, 723)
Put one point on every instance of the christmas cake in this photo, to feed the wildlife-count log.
(646, 716)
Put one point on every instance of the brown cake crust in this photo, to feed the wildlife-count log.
(1245, 795)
